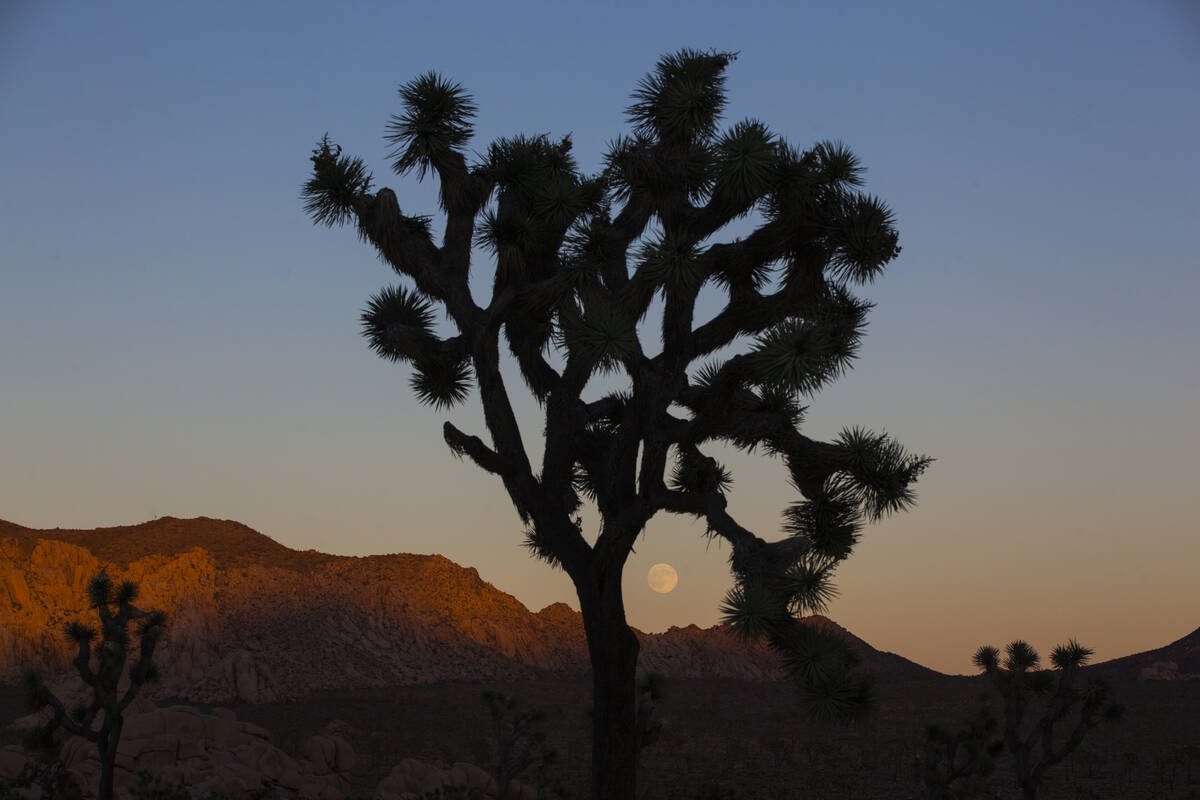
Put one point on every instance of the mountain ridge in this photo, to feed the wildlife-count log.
(257, 621)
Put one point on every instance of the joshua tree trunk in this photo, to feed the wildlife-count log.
(613, 649)
(106, 780)
(108, 758)
(1024, 774)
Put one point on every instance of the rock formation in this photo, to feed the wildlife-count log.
(1179, 660)
(412, 779)
(216, 753)
(254, 621)
(209, 753)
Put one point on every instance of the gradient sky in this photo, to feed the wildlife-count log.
(176, 338)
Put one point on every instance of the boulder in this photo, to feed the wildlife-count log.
(12, 761)
(411, 778)
(1161, 671)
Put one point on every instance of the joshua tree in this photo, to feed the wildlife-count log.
(107, 702)
(1019, 681)
(578, 261)
(520, 741)
(650, 726)
(956, 761)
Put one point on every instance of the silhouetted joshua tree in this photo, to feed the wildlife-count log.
(1019, 681)
(520, 741)
(578, 261)
(956, 761)
(650, 726)
(108, 703)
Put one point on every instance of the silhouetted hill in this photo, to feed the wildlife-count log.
(253, 619)
(1179, 660)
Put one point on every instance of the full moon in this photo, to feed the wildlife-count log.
(662, 578)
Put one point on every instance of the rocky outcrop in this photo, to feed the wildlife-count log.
(412, 779)
(253, 621)
(216, 753)
(1179, 660)
(1167, 671)
(209, 753)
(695, 652)
(276, 624)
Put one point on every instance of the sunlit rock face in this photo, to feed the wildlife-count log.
(261, 622)
(252, 620)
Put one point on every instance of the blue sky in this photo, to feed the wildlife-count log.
(176, 338)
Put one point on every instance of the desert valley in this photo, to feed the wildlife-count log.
(335, 677)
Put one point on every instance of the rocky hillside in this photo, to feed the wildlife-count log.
(257, 621)
(1180, 660)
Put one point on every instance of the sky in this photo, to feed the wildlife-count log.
(177, 338)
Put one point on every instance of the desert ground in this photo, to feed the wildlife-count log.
(729, 736)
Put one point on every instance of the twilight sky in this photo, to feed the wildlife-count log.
(176, 338)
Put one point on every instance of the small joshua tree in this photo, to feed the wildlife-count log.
(520, 741)
(956, 761)
(651, 688)
(1019, 681)
(105, 678)
(45, 774)
(650, 726)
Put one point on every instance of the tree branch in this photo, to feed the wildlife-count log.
(61, 717)
(473, 447)
(405, 243)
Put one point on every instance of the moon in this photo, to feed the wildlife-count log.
(662, 578)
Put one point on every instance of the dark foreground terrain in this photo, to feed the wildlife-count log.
(745, 736)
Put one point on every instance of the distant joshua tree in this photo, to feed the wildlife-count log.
(652, 687)
(1019, 681)
(107, 701)
(956, 762)
(574, 278)
(520, 742)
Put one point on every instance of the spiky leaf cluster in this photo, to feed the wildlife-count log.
(336, 182)
(670, 263)
(830, 522)
(1071, 655)
(747, 610)
(440, 381)
(398, 324)
(435, 123)
(807, 584)
(539, 546)
(862, 239)
(681, 101)
(878, 473)
(801, 356)
(605, 336)
(696, 472)
(640, 166)
(819, 660)
(746, 161)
